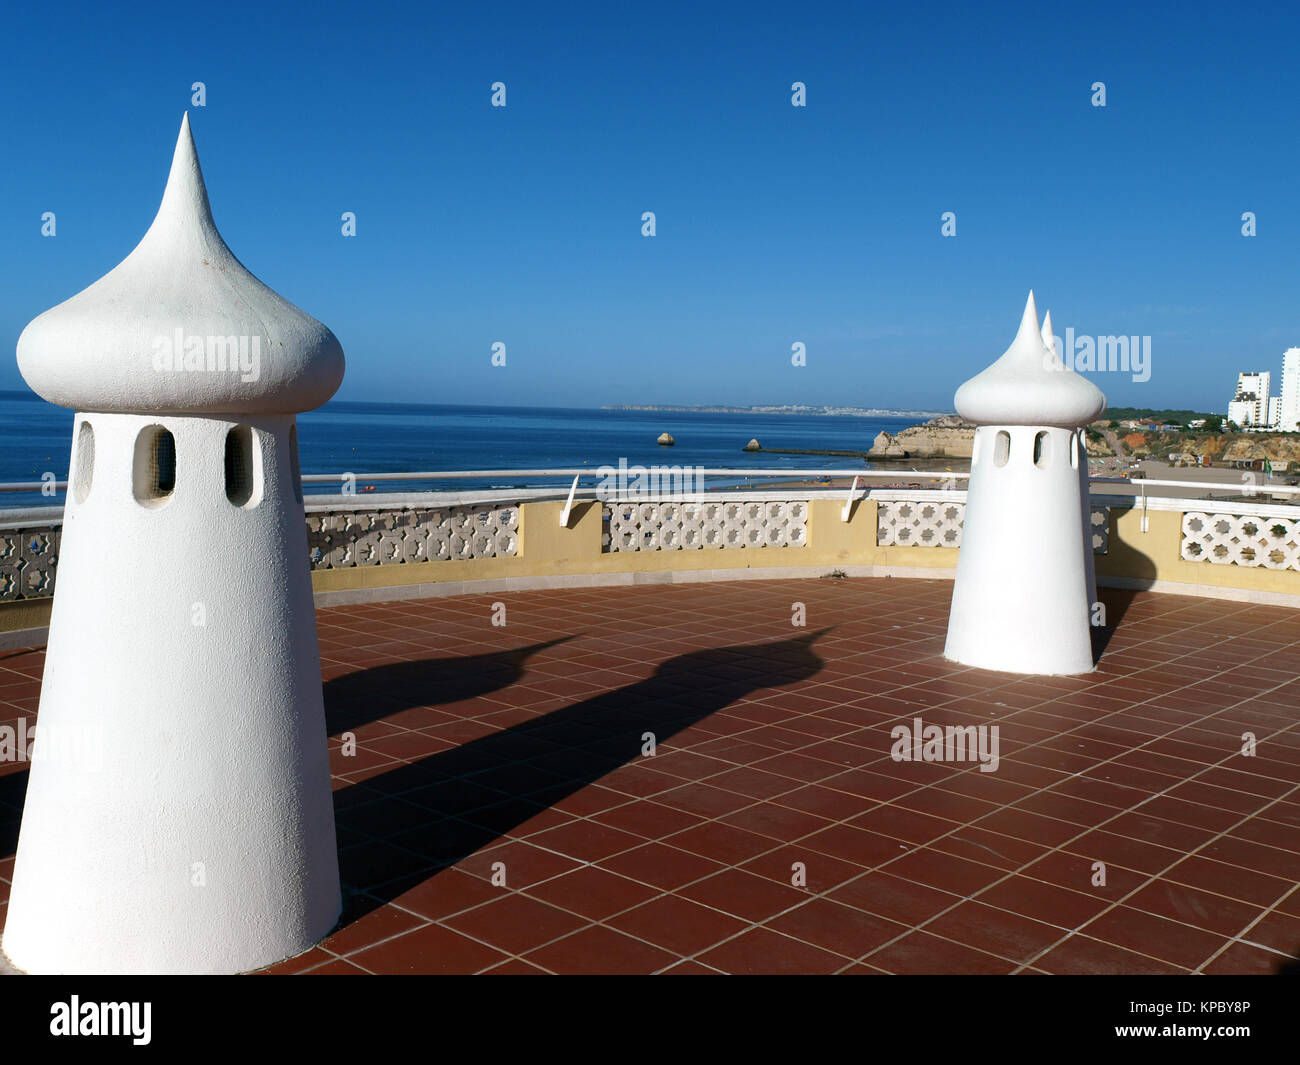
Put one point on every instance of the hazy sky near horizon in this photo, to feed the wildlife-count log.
(774, 224)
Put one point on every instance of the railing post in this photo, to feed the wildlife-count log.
(568, 504)
(848, 503)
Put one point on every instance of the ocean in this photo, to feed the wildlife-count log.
(362, 438)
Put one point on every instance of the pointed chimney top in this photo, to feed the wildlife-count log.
(185, 195)
(155, 333)
(1029, 320)
(1030, 385)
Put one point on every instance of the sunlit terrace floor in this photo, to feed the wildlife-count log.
(522, 745)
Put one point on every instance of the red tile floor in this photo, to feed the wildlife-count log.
(496, 812)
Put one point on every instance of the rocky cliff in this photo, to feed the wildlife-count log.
(1224, 447)
(945, 437)
(948, 436)
(1280, 448)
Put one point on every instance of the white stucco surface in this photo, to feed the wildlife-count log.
(97, 350)
(1030, 385)
(178, 817)
(1024, 587)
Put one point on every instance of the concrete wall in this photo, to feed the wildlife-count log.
(552, 556)
(1152, 559)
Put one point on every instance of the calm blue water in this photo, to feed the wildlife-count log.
(379, 438)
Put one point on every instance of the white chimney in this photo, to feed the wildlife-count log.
(178, 816)
(1022, 599)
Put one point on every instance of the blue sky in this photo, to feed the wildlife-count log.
(775, 224)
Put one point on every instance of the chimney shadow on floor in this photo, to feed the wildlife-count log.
(476, 793)
(366, 695)
(13, 790)
(1117, 602)
(350, 703)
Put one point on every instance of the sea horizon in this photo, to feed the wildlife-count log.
(368, 437)
(754, 408)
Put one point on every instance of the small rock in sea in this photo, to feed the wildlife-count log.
(753, 445)
(666, 440)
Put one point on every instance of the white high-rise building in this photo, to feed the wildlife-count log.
(1289, 405)
(1241, 411)
(1249, 406)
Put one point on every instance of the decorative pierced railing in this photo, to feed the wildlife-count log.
(1100, 519)
(919, 523)
(396, 529)
(28, 559)
(713, 524)
(1241, 540)
(29, 556)
(938, 523)
(337, 540)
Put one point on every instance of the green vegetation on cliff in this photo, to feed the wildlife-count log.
(1169, 417)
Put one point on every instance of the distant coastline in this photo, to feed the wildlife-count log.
(791, 408)
(828, 410)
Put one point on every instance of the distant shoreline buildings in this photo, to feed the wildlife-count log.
(789, 408)
(1255, 409)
